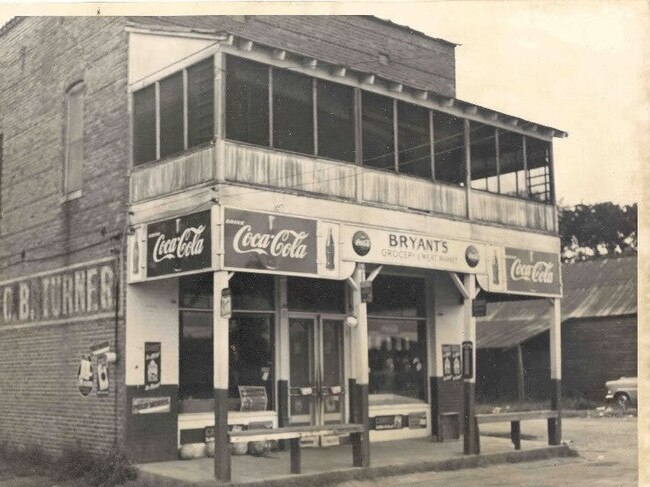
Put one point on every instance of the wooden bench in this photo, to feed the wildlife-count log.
(515, 420)
(295, 433)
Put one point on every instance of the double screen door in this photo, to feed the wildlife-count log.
(316, 375)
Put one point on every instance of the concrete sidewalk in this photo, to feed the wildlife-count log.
(324, 466)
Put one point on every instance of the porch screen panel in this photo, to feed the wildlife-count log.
(200, 103)
(247, 101)
(144, 125)
(171, 115)
(413, 140)
(377, 127)
(449, 148)
(293, 112)
(335, 105)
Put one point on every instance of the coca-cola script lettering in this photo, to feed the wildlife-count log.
(189, 243)
(533, 272)
(269, 242)
(179, 245)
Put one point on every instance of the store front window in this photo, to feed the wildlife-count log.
(397, 340)
(251, 340)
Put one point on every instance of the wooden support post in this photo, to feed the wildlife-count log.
(470, 435)
(294, 445)
(220, 374)
(521, 388)
(555, 424)
(360, 412)
(515, 434)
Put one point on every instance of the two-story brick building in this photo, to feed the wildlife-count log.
(269, 220)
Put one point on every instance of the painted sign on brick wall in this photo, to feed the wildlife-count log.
(81, 291)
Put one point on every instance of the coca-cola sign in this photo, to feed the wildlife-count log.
(270, 242)
(532, 272)
(179, 245)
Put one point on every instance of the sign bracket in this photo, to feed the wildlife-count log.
(459, 285)
(374, 273)
(353, 283)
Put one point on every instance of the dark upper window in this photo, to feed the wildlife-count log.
(200, 103)
(538, 158)
(74, 139)
(144, 125)
(186, 115)
(397, 296)
(171, 115)
(323, 295)
(293, 112)
(335, 104)
(413, 139)
(449, 148)
(483, 157)
(377, 131)
(247, 101)
(511, 162)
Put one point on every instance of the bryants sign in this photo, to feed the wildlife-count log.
(179, 245)
(269, 242)
(532, 272)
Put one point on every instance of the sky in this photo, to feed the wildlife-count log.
(574, 65)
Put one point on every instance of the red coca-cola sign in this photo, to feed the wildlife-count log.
(179, 245)
(269, 242)
(532, 272)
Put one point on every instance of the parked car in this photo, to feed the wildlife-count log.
(622, 391)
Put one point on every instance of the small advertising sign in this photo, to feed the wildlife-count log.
(102, 376)
(226, 303)
(393, 422)
(446, 362)
(395, 247)
(468, 360)
(179, 245)
(252, 398)
(152, 364)
(366, 291)
(85, 375)
(150, 405)
(275, 243)
(533, 272)
(479, 307)
(456, 369)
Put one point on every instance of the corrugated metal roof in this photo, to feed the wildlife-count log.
(598, 288)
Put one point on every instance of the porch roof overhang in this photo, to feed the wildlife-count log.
(358, 76)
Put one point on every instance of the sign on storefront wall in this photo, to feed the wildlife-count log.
(81, 291)
(395, 247)
(152, 365)
(274, 243)
(532, 272)
(179, 245)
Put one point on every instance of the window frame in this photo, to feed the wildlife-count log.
(78, 88)
(183, 71)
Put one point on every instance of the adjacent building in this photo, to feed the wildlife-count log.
(217, 222)
(599, 336)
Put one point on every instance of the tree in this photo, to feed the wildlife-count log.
(590, 231)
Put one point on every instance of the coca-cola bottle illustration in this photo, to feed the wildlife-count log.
(495, 269)
(329, 250)
(271, 261)
(135, 261)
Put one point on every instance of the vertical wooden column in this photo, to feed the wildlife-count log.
(282, 346)
(361, 444)
(434, 362)
(468, 167)
(219, 116)
(555, 345)
(470, 440)
(220, 374)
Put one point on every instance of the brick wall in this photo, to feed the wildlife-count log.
(350, 40)
(41, 57)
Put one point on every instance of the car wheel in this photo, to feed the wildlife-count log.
(622, 400)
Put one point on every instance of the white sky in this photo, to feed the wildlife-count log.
(575, 65)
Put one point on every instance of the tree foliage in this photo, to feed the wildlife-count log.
(590, 231)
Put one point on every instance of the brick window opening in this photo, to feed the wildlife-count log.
(74, 139)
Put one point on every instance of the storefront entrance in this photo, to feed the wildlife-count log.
(316, 377)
